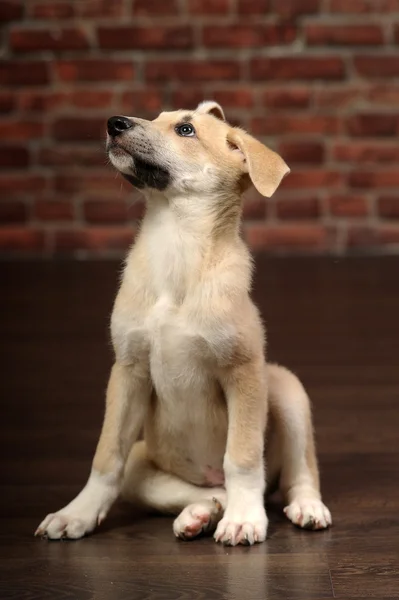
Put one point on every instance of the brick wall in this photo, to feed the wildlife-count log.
(318, 80)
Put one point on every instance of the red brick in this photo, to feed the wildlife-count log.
(366, 152)
(253, 7)
(307, 68)
(7, 102)
(37, 40)
(312, 178)
(291, 209)
(11, 10)
(339, 97)
(364, 6)
(239, 97)
(92, 69)
(231, 97)
(77, 155)
(208, 7)
(97, 239)
(344, 35)
(33, 101)
(187, 71)
(238, 120)
(43, 101)
(373, 179)
(12, 211)
(370, 237)
(290, 124)
(79, 129)
(285, 237)
(94, 99)
(254, 206)
(349, 6)
(295, 8)
(54, 210)
(24, 73)
(385, 93)
(388, 207)
(348, 205)
(20, 129)
(52, 10)
(99, 182)
(21, 239)
(283, 98)
(372, 124)
(248, 36)
(385, 6)
(234, 98)
(337, 134)
(306, 152)
(377, 66)
(101, 8)
(388, 235)
(146, 38)
(103, 211)
(135, 102)
(187, 97)
(13, 157)
(152, 8)
(136, 207)
(26, 182)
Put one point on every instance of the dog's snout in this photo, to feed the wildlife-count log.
(117, 125)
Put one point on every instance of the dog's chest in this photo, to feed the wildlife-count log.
(175, 352)
(170, 344)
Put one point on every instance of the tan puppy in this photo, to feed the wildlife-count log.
(189, 348)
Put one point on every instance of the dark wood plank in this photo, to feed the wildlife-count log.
(369, 576)
(334, 322)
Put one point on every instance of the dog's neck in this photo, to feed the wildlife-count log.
(204, 217)
(184, 235)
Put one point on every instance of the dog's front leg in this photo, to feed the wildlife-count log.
(127, 401)
(244, 520)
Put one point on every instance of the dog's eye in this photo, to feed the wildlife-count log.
(186, 130)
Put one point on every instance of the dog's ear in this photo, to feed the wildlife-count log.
(265, 167)
(208, 107)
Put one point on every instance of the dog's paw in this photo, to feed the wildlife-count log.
(308, 513)
(197, 519)
(61, 525)
(80, 516)
(246, 526)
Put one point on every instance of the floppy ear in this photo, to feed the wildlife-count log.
(265, 168)
(208, 107)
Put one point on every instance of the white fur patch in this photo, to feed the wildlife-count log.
(245, 521)
(308, 513)
(121, 161)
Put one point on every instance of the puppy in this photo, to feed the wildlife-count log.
(220, 425)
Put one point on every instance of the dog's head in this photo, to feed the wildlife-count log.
(192, 152)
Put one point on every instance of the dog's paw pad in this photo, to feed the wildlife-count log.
(197, 519)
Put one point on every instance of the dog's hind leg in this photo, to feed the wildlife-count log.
(199, 509)
(299, 475)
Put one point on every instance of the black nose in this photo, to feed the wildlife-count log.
(117, 125)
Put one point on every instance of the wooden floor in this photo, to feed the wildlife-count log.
(335, 322)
